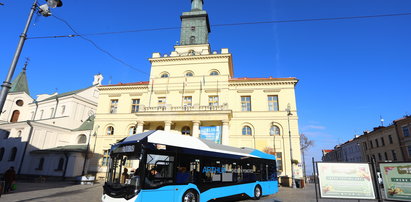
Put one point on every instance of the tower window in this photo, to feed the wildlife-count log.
(15, 116)
(19, 103)
(110, 130)
(192, 39)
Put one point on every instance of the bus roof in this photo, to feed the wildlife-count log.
(188, 142)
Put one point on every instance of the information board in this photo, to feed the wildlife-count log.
(397, 180)
(345, 180)
(212, 133)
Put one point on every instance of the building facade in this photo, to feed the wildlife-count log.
(46, 136)
(384, 144)
(193, 88)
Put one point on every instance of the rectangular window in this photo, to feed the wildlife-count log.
(51, 112)
(213, 100)
(405, 131)
(135, 105)
(376, 143)
(379, 157)
(273, 103)
(279, 156)
(368, 158)
(394, 155)
(409, 150)
(113, 106)
(390, 139)
(245, 103)
(162, 101)
(104, 162)
(187, 101)
(365, 145)
(382, 141)
(371, 146)
(386, 156)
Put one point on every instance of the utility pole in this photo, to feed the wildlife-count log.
(6, 84)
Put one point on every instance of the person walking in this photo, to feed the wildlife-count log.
(9, 178)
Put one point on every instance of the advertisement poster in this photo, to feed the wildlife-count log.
(345, 180)
(397, 180)
(212, 133)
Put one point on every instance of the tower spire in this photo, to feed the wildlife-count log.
(197, 5)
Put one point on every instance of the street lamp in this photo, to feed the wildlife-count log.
(291, 147)
(45, 11)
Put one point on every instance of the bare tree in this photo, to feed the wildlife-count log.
(305, 143)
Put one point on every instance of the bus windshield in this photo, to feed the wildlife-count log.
(123, 180)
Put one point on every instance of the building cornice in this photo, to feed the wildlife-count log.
(191, 57)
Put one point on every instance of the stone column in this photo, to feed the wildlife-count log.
(225, 132)
(196, 129)
(167, 125)
(140, 125)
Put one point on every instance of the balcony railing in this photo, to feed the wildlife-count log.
(169, 108)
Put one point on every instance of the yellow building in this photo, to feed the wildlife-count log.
(192, 88)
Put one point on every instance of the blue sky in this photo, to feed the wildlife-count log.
(350, 71)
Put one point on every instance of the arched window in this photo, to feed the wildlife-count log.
(192, 39)
(1, 153)
(214, 73)
(189, 74)
(160, 128)
(132, 130)
(15, 116)
(110, 130)
(81, 139)
(186, 130)
(13, 154)
(60, 165)
(41, 163)
(274, 130)
(247, 130)
(164, 75)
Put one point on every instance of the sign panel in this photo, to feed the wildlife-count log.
(345, 180)
(212, 133)
(397, 180)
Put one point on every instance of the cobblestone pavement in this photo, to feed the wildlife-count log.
(63, 191)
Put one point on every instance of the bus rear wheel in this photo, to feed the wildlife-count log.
(257, 192)
(190, 196)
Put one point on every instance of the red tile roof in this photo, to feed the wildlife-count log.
(128, 84)
(255, 79)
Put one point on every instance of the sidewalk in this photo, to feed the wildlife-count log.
(54, 191)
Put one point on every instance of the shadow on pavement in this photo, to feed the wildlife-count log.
(59, 194)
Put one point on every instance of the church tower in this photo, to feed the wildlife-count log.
(195, 25)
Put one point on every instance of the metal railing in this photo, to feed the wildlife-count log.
(169, 108)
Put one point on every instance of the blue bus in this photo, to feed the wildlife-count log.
(166, 166)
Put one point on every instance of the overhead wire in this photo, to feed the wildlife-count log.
(98, 47)
(230, 24)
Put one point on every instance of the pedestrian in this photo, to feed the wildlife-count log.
(9, 178)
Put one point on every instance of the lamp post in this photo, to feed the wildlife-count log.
(291, 147)
(44, 10)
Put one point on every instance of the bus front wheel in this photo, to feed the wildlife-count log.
(257, 192)
(190, 196)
